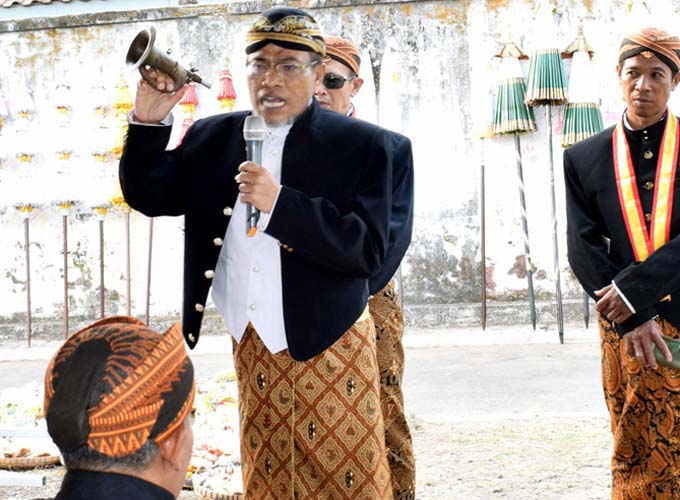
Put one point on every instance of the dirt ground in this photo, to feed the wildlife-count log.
(507, 415)
(560, 458)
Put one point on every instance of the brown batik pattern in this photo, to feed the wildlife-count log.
(312, 430)
(644, 405)
(389, 329)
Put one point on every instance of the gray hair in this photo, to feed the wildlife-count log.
(85, 458)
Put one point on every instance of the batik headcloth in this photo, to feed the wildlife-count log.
(343, 51)
(652, 41)
(288, 28)
(116, 384)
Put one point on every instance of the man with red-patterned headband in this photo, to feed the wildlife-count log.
(624, 247)
(341, 81)
(340, 84)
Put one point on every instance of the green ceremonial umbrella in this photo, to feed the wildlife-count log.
(512, 116)
(582, 117)
(547, 85)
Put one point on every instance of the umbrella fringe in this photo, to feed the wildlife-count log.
(512, 114)
(546, 83)
(581, 120)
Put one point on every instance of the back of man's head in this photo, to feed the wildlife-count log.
(114, 391)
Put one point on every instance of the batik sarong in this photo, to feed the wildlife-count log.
(389, 328)
(312, 430)
(644, 405)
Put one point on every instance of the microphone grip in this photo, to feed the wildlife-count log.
(254, 154)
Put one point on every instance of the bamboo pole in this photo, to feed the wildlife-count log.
(101, 215)
(29, 319)
(128, 286)
(65, 230)
(148, 273)
(553, 214)
(482, 238)
(525, 227)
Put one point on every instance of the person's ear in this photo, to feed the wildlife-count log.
(319, 72)
(356, 85)
(171, 446)
(675, 80)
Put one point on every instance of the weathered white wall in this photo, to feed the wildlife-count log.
(59, 8)
(433, 66)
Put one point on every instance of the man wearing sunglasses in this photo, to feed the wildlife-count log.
(341, 80)
(294, 295)
(340, 84)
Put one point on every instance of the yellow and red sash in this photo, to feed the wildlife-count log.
(643, 241)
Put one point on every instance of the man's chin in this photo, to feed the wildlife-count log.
(274, 120)
(279, 117)
(643, 108)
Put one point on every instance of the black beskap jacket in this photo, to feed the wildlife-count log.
(599, 247)
(331, 218)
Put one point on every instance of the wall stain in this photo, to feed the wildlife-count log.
(588, 4)
(490, 281)
(519, 267)
(497, 4)
(452, 15)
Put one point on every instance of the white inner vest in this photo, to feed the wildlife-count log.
(247, 284)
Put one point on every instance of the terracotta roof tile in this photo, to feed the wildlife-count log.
(27, 3)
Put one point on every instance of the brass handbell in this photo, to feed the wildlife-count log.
(143, 55)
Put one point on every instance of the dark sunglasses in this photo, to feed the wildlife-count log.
(334, 82)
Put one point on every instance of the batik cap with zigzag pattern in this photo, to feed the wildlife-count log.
(115, 384)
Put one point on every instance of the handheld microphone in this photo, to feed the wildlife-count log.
(253, 133)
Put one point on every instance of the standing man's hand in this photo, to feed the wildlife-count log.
(612, 305)
(151, 105)
(257, 186)
(640, 343)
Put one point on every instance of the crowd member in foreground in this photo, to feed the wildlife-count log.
(118, 401)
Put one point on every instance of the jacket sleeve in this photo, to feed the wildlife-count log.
(352, 243)
(646, 283)
(401, 218)
(152, 179)
(588, 248)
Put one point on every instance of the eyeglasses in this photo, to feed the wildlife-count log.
(334, 82)
(289, 69)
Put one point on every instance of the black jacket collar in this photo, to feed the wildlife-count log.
(307, 116)
(650, 134)
(89, 485)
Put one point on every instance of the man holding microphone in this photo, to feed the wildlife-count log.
(294, 295)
